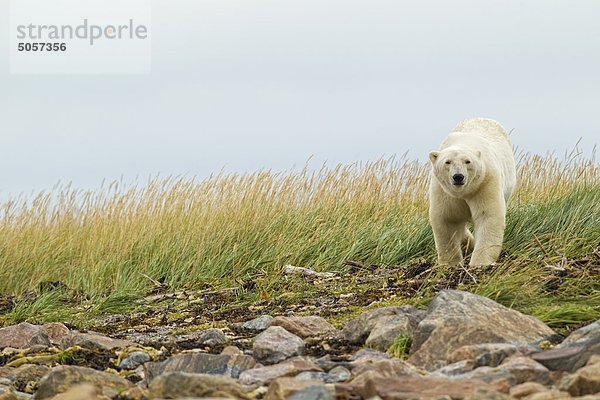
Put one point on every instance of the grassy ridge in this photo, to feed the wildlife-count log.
(220, 231)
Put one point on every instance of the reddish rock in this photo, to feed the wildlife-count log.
(456, 319)
(311, 326)
(23, 336)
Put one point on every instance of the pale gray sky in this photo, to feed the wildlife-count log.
(251, 84)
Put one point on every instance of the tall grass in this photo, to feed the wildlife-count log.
(226, 228)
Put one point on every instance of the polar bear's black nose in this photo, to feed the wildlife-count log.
(458, 178)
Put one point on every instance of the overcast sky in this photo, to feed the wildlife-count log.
(255, 84)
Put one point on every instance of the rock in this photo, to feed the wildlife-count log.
(338, 374)
(231, 351)
(319, 392)
(284, 388)
(369, 354)
(584, 381)
(23, 336)
(27, 376)
(135, 393)
(524, 369)
(211, 337)
(358, 330)
(386, 331)
(264, 375)
(454, 369)
(257, 324)
(487, 394)
(80, 392)
(200, 363)
(574, 352)
(384, 368)
(93, 341)
(553, 394)
(456, 318)
(134, 360)
(417, 387)
(55, 331)
(7, 394)
(304, 327)
(62, 378)
(486, 354)
(276, 344)
(526, 389)
(514, 370)
(174, 385)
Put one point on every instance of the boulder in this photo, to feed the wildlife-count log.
(311, 326)
(23, 336)
(284, 388)
(456, 319)
(404, 319)
(276, 344)
(173, 385)
(62, 378)
(200, 363)
(575, 351)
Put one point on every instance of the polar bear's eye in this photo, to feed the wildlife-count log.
(468, 162)
(447, 162)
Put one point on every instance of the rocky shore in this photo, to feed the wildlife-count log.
(463, 346)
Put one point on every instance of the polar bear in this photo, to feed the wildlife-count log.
(473, 176)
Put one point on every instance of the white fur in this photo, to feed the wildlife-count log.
(480, 150)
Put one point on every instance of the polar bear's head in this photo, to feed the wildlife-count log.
(458, 171)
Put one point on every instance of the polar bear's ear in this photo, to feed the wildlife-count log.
(433, 156)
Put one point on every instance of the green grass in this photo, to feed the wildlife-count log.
(228, 229)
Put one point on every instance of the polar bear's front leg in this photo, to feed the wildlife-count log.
(448, 241)
(489, 220)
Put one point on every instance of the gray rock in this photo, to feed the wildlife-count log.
(358, 330)
(386, 331)
(23, 336)
(287, 388)
(574, 352)
(369, 354)
(173, 385)
(276, 344)
(257, 324)
(212, 337)
(484, 355)
(264, 375)
(64, 377)
(338, 374)
(456, 318)
(315, 392)
(200, 363)
(312, 376)
(93, 341)
(134, 360)
(455, 369)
